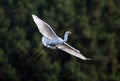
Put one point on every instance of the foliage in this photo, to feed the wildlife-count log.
(95, 25)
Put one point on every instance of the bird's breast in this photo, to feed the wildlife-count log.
(56, 41)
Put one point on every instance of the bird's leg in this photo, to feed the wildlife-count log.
(52, 46)
(55, 47)
(49, 46)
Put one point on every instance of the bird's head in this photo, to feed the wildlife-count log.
(69, 32)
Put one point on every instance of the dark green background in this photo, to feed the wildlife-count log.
(95, 25)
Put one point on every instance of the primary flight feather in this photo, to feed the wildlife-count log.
(51, 40)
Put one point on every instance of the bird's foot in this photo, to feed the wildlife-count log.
(52, 47)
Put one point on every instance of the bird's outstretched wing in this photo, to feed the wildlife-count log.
(44, 28)
(69, 49)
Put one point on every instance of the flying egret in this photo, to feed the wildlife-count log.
(51, 40)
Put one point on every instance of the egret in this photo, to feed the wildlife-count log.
(51, 40)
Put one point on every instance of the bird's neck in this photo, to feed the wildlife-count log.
(65, 37)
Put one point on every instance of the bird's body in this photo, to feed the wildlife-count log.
(51, 40)
(51, 43)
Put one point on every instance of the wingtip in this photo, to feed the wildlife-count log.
(36, 18)
(88, 59)
(33, 15)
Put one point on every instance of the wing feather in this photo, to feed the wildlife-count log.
(44, 28)
(69, 49)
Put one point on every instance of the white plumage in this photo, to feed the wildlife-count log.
(51, 40)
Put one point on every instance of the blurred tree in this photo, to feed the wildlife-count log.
(94, 23)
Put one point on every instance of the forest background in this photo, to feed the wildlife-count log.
(95, 25)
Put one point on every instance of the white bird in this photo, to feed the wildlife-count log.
(51, 40)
